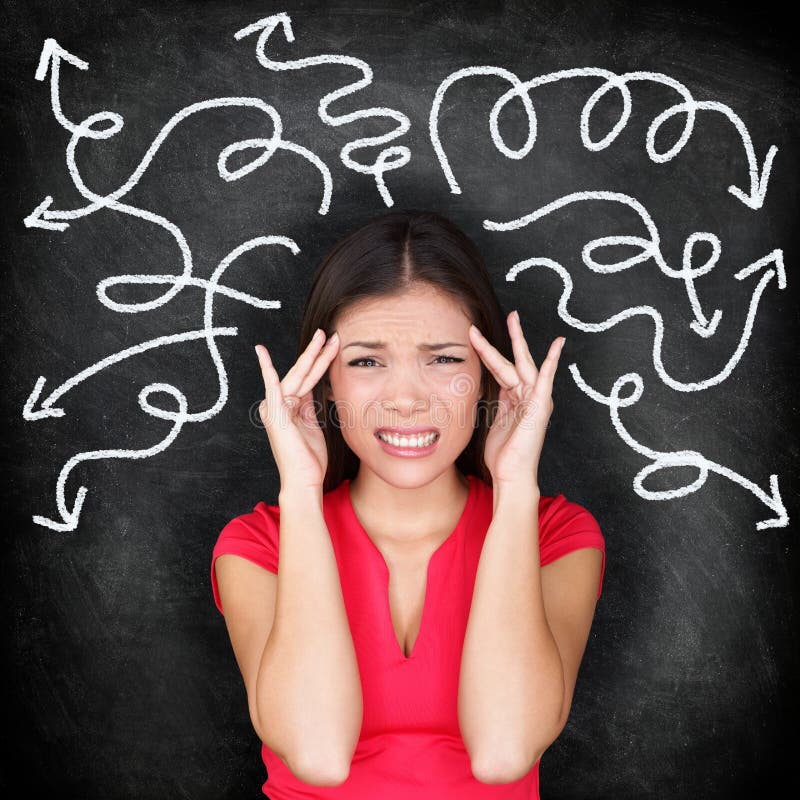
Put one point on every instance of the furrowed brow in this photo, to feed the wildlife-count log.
(426, 346)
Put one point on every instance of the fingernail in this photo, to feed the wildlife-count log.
(477, 331)
(317, 333)
(334, 338)
(516, 315)
(563, 342)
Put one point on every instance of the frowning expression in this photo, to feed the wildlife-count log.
(406, 362)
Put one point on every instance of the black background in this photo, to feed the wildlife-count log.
(121, 682)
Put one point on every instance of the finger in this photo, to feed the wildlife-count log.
(272, 383)
(268, 372)
(503, 370)
(526, 366)
(544, 385)
(321, 364)
(295, 376)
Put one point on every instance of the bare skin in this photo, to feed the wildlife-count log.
(403, 386)
(408, 507)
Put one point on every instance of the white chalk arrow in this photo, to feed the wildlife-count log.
(683, 458)
(266, 148)
(105, 124)
(69, 517)
(758, 185)
(46, 407)
(759, 179)
(50, 59)
(776, 257)
(520, 90)
(36, 219)
(706, 327)
(390, 158)
(648, 248)
(53, 52)
(211, 288)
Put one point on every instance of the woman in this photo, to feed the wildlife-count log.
(406, 618)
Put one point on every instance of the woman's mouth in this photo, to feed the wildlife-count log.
(414, 446)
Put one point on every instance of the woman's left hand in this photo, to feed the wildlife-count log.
(515, 439)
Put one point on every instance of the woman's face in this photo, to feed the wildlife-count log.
(384, 375)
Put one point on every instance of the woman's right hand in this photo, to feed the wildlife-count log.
(287, 413)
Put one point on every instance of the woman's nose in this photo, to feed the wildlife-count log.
(407, 391)
(407, 384)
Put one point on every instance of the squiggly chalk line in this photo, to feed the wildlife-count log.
(70, 517)
(776, 257)
(389, 158)
(649, 248)
(682, 458)
(754, 199)
(44, 217)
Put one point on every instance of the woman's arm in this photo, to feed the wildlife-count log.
(524, 642)
(294, 648)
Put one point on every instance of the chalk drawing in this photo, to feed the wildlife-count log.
(41, 216)
(70, 517)
(775, 257)
(644, 242)
(704, 324)
(682, 458)
(649, 248)
(753, 199)
(390, 158)
(104, 125)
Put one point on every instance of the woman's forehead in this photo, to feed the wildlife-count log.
(400, 315)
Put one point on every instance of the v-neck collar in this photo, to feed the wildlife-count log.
(359, 528)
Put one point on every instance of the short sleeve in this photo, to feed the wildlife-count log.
(565, 526)
(254, 536)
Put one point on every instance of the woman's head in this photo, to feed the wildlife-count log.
(405, 279)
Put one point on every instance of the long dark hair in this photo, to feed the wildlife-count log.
(386, 257)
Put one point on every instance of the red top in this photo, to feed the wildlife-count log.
(410, 744)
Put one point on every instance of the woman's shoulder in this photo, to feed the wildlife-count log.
(560, 516)
(253, 536)
(262, 519)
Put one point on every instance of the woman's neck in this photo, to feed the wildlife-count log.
(407, 520)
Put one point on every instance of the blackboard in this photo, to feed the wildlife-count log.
(636, 192)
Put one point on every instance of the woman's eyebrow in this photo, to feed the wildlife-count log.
(382, 345)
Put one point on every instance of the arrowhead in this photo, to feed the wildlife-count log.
(758, 190)
(781, 520)
(775, 257)
(70, 519)
(269, 24)
(709, 328)
(51, 51)
(36, 218)
(30, 413)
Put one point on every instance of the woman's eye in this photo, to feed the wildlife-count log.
(358, 361)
